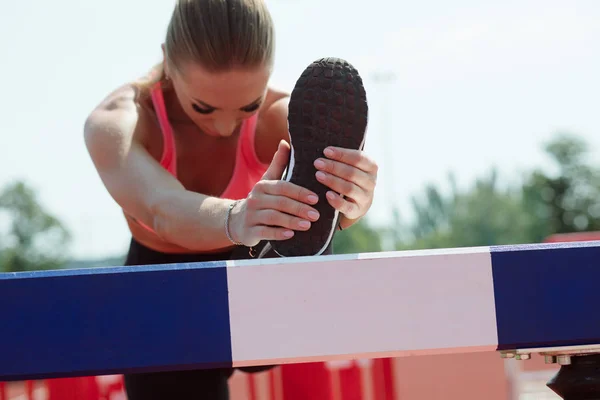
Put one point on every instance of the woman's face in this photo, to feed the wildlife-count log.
(218, 102)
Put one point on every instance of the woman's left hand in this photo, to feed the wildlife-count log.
(353, 175)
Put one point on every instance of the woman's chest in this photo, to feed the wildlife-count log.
(205, 164)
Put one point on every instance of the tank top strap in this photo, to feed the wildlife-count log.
(169, 156)
(248, 144)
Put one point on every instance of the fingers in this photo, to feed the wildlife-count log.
(347, 172)
(342, 186)
(352, 175)
(286, 205)
(276, 208)
(275, 218)
(279, 163)
(272, 233)
(256, 225)
(348, 208)
(355, 158)
(288, 189)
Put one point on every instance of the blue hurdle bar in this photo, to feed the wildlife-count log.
(101, 321)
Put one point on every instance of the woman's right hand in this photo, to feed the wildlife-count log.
(274, 209)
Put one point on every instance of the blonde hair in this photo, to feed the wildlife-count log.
(218, 35)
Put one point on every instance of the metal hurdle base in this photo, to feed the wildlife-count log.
(579, 375)
(578, 380)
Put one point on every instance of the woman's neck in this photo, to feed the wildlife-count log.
(174, 110)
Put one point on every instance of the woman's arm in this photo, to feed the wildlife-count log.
(144, 189)
(150, 194)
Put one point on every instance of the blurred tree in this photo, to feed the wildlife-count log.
(359, 238)
(569, 199)
(482, 215)
(485, 214)
(33, 239)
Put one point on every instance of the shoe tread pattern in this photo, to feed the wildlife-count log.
(328, 107)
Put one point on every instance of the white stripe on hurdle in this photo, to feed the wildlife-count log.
(360, 306)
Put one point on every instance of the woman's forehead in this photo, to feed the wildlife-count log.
(231, 89)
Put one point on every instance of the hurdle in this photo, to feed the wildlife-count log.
(516, 300)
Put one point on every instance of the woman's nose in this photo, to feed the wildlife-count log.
(225, 127)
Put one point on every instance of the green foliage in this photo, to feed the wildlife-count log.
(34, 239)
(486, 214)
(568, 200)
(359, 238)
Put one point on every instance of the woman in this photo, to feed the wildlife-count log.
(195, 152)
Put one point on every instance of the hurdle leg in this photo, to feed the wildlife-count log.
(578, 377)
(29, 389)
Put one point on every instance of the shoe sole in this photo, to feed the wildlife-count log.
(328, 107)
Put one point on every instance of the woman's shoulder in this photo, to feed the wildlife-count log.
(122, 106)
(273, 96)
(271, 126)
(123, 98)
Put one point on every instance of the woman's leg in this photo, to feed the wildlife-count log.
(204, 384)
(210, 384)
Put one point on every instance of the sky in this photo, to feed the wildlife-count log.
(469, 85)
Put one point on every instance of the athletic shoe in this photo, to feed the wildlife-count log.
(328, 107)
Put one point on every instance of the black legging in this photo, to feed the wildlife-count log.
(205, 384)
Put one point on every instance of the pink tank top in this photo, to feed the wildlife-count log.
(247, 170)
